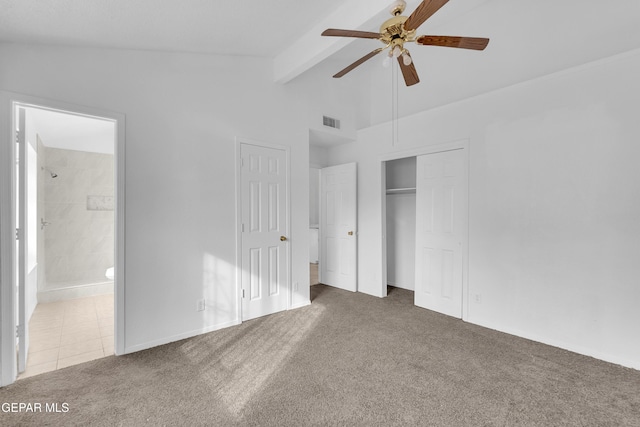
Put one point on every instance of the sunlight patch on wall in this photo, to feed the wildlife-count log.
(218, 290)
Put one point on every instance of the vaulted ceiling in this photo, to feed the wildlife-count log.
(289, 30)
(528, 38)
(239, 27)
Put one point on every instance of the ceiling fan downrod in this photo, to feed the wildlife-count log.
(397, 7)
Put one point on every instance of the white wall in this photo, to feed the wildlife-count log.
(318, 156)
(337, 98)
(183, 113)
(554, 206)
(314, 196)
(317, 160)
(401, 240)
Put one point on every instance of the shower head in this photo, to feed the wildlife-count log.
(53, 174)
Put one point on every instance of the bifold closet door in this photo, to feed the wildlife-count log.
(441, 224)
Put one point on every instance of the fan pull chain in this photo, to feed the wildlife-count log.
(397, 104)
(394, 104)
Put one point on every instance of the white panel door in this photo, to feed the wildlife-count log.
(265, 255)
(338, 234)
(22, 249)
(441, 227)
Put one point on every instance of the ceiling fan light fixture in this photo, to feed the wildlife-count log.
(406, 59)
(386, 62)
(397, 51)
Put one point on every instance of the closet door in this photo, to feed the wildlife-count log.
(441, 227)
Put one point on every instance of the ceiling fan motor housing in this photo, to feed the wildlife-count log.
(392, 32)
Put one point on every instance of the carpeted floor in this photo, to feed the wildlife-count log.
(348, 359)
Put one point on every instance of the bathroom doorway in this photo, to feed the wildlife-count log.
(66, 287)
(314, 223)
(318, 159)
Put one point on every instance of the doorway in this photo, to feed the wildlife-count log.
(74, 236)
(400, 198)
(66, 206)
(314, 224)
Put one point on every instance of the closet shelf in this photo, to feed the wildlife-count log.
(407, 190)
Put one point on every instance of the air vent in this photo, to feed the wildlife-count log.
(331, 122)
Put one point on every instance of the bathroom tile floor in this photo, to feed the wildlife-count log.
(66, 333)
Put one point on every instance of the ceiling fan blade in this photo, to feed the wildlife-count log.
(409, 72)
(422, 13)
(358, 62)
(475, 43)
(351, 33)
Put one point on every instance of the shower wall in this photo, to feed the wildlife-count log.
(79, 207)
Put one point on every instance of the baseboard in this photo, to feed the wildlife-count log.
(396, 285)
(629, 363)
(178, 337)
(73, 292)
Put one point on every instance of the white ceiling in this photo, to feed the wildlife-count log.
(271, 28)
(72, 132)
(239, 27)
(528, 38)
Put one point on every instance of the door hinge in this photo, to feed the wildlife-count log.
(19, 331)
(243, 293)
(18, 234)
(241, 161)
(18, 136)
(242, 228)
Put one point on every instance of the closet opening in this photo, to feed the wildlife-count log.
(400, 203)
(425, 227)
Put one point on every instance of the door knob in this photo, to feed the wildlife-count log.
(283, 238)
(350, 233)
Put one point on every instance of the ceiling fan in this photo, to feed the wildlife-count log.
(397, 31)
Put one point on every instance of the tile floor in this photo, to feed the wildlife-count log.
(66, 333)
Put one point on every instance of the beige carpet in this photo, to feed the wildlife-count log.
(348, 359)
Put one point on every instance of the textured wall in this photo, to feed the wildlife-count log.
(79, 242)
